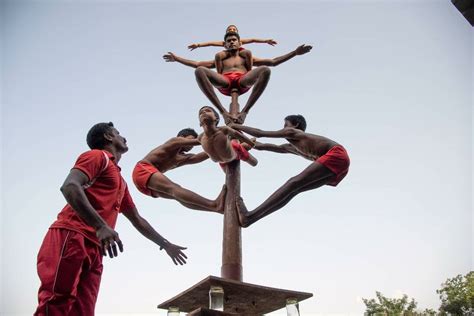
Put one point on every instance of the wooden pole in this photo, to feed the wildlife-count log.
(232, 240)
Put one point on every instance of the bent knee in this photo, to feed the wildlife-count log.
(200, 71)
(265, 71)
(295, 181)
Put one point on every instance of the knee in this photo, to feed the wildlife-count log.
(200, 72)
(265, 71)
(294, 182)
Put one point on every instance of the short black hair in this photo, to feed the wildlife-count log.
(95, 136)
(213, 110)
(186, 132)
(297, 120)
(233, 26)
(231, 34)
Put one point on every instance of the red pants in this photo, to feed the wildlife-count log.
(70, 268)
(141, 174)
(242, 153)
(234, 82)
(337, 160)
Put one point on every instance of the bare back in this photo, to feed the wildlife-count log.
(166, 157)
(311, 146)
(217, 145)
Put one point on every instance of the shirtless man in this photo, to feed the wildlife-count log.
(216, 142)
(236, 73)
(330, 165)
(149, 177)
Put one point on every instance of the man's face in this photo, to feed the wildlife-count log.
(187, 148)
(232, 28)
(207, 116)
(118, 141)
(232, 42)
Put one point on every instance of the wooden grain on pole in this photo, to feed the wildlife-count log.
(232, 239)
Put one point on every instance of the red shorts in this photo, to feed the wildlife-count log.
(69, 267)
(234, 83)
(141, 174)
(336, 160)
(242, 153)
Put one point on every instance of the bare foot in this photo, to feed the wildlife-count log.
(229, 118)
(242, 212)
(220, 201)
(241, 117)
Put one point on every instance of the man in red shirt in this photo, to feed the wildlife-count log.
(70, 258)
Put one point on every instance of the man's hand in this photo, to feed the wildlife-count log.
(271, 42)
(170, 57)
(175, 253)
(303, 49)
(193, 46)
(109, 239)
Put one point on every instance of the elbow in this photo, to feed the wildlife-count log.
(69, 188)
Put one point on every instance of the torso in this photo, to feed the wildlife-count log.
(217, 146)
(312, 146)
(233, 64)
(164, 159)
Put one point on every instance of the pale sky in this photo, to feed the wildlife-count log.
(392, 81)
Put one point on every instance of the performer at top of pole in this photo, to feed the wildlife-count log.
(235, 72)
(216, 142)
(233, 28)
(330, 165)
(149, 177)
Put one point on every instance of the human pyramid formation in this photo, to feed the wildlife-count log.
(223, 144)
(70, 258)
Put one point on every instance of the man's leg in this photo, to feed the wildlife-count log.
(258, 78)
(59, 267)
(166, 188)
(89, 283)
(311, 178)
(207, 80)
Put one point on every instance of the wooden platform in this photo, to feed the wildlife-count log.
(239, 298)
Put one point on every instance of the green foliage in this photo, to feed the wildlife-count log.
(457, 295)
(384, 306)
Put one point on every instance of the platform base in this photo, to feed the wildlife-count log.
(239, 298)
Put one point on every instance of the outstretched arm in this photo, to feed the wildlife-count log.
(237, 135)
(287, 132)
(257, 40)
(142, 225)
(281, 149)
(170, 57)
(177, 142)
(300, 50)
(205, 44)
(190, 159)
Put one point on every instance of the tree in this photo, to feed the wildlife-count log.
(385, 306)
(457, 295)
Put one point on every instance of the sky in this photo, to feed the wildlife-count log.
(392, 81)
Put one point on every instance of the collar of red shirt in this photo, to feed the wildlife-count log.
(112, 158)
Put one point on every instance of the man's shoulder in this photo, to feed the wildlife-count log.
(94, 154)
